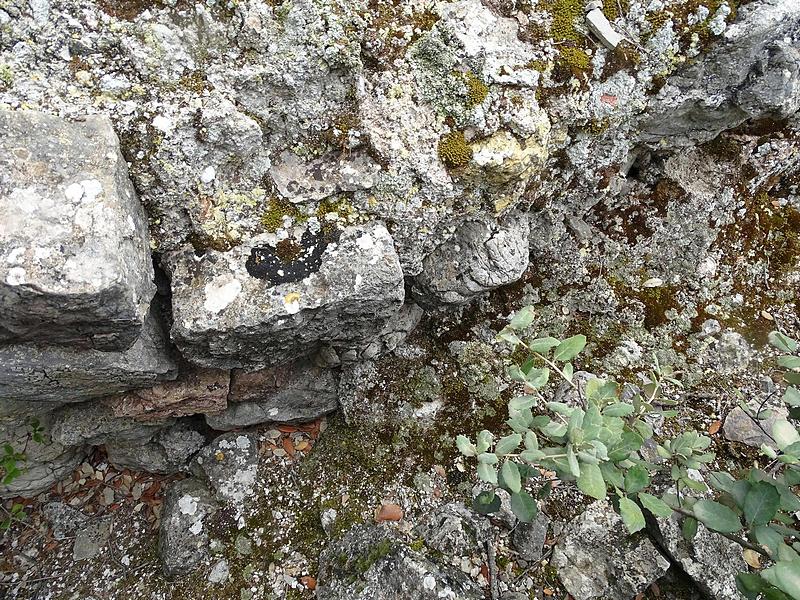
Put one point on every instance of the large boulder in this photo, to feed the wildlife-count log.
(371, 563)
(597, 558)
(36, 379)
(289, 393)
(74, 249)
(254, 306)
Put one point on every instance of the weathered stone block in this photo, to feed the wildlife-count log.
(75, 266)
(484, 254)
(50, 377)
(248, 308)
(288, 393)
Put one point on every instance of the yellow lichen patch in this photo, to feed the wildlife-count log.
(454, 151)
(277, 208)
(477, 91)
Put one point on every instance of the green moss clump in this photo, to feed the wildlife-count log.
(377, 552)
(277, 208)
(611, 8)
(657, 20)
(6, 77)
(565, 13)
(454, 150)
(477, 91)
(573, 60)
(417, 545)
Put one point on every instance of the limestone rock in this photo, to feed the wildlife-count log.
(91, 539)
(481, 256)
(710, 560)
(76, 267)
(169, 451)
(94, 424)
(597, 558)
(228, 314)
(52, 376)
(182, 536)
(528, 538)
(286, 394)
(454, 530)
(229, 464)
(739, 427)
(63, 519)
(370, 563)
(752, 74)
(45, 463)
(195, 390)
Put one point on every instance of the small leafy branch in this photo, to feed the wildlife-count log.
(12, 466)
(595, 440)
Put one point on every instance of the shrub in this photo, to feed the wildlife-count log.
(595, 442)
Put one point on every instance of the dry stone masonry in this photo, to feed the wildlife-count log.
(220, 215)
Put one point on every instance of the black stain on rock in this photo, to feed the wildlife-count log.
(289, 261)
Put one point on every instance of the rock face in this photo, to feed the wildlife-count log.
(709, 559)
(34, 378)
(229, 314)
(481, 256)
(292, 393)
(454, 530)
(183, 538)
(370, 563)
(76, 267)
(596, 558)
(752, 74)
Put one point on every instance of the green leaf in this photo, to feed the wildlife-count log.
(570, 348)
(465, 446)
(761, 503)
(532, 456)
(572, 461)
(523, 318)
(766, 536)
(789, 362)
(507, 444)
(510, 476)
(784, 433)
(488, 458)
(781, 342)
(716, 516)
(793, 378)
(537, 378)
(689, 528)
(721, 481)
(543, 345)
(524, 507)
(655, 505)
(486, 503)
(567, 371)
(636, 478)
(487, 473)
(531, 441)
(591, 482)
(750, 585)
(522, 402)
(484, 441)
(792, 396)
(785, 576)
(619, 409)
(509, 336)
(631, 514)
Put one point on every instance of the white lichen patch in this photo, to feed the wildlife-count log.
(220, 293)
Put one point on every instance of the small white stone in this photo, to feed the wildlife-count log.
(187, 505)
(429, 582)
(208, 175)
(162, 123)
(196, 527)
(653, 282)
(16, 276)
